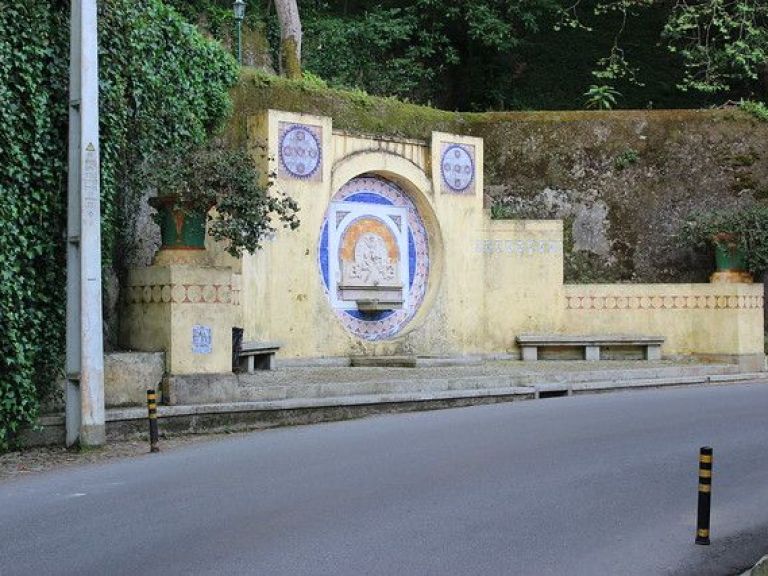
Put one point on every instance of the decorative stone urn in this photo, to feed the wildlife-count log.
(730, 263)
(183, 304)
(180, 228)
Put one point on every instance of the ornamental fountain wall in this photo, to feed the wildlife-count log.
(396, 255)
(470, 284)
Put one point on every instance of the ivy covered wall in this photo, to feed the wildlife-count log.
(32, 200)
(163, 86)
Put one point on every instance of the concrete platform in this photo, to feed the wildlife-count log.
(413, 361)
(328, 382)
(289, 396)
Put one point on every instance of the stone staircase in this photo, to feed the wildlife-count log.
(393, 384)
(301, 395)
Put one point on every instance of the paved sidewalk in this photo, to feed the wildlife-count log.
(400, 389)
(293, 395)
(759, 569)
(393, 384)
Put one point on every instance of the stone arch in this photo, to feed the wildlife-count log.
(391, 166)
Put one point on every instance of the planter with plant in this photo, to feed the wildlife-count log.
(220, 190)
(738, 240)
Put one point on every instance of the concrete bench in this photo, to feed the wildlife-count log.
(530, 344)
(257, 356)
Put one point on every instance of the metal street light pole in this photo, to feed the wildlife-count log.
(85, 348)
(239, 9)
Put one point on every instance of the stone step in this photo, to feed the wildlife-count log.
(520, 392)
(249, 392)
(223, 416)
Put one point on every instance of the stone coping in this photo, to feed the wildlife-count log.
(582, 340)
(423, 396)
(255, 346)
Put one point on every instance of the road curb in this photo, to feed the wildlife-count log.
(235, 416)
(759, 569)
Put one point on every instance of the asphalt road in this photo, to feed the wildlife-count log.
(587, 485)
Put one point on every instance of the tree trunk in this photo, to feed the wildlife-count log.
(290, 38)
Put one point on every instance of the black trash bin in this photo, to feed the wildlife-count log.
(237, 346)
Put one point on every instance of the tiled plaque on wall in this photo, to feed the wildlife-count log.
(300, 152)
(202, 339)
(457, 168)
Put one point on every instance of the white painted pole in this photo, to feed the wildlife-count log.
(85, 350)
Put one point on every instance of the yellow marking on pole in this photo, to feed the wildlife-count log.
(706, 459)
(705, 473)
(703, 533)
(705, 488)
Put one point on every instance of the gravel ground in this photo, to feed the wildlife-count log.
(31, 461)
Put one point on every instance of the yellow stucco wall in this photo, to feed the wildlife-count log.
(165, 306)
(705, 319)
(523, 287)
(489, 280)
(286, 300)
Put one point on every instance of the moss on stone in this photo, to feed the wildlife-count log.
(685, 160)
(289, 59)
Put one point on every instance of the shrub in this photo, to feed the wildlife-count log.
(227, 180)
(162, 86)
(747, 227)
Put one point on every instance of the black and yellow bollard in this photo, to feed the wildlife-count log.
(152, 408)
(705, 495)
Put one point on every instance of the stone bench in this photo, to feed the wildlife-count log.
(530, 344)
(257, 356)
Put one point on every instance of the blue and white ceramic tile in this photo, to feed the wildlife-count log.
(457, 168)
(300, 152)
(370, 196)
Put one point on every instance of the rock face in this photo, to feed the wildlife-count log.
(128, 375)
(624, 182)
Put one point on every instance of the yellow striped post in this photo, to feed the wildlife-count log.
(705, 495)
(152, 409)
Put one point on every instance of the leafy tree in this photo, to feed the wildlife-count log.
(374, 51)
(290, 37)
(411, 48)
(500, 54)
(722, 43)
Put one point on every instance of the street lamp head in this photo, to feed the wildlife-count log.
(239, 9)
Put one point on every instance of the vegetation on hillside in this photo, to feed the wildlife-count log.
(530, 54)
